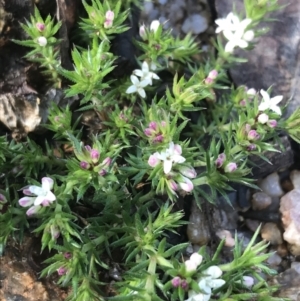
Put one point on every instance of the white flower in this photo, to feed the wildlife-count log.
(197, 297)
(197, 258)
(270, 103)
(263, 118)
(239, 38)
(42, 194)
(145, 73)
(154, 25)
(42, 41)
(138, 86)
(38, 196)
(210, 281)
(171, 155)
(231, 23)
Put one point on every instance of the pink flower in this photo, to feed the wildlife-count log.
(158, 138)
(213, 74)
(220, 160)
(68, 255)
(110, 15)
(176, 281)
(230, 167)
(40, 26)
(153, 125)
(149, 132)
(184, 284)
(186, 185)
(251, 147)
(62, 271)
(253, 135)
(94, 155)
(153, 160)
(189, 172)
(272, 123)
(84, 165)
(142, 32)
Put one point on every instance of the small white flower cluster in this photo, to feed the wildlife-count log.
(169, 157)
(207, 282)
(146, 77)
(269, 103)
(38, 196)
(235, 31)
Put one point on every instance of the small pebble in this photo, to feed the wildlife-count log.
(274, 260)
(282, 250)
(260, 200)
(195, 23)
(271, 185)
(229, 240)
(271, 233)
(252, 224)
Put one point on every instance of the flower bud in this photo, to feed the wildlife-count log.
(248, 281)
(173, 185)
(61, 271)
(213, 74)
(3, 199)
(186, 185)
(154, 25)
(94, 155)
(54, 230)
(209, 81)
(68, 255)
(106, 162)
(176, 281)
(108, 24)
(42, 41)
(110, 15)
(40, 26)
(243, 102)
(263, 118)
(230, 167)
(251, 92)
(88, 148)
(272, 123)
(190, 266)
(249, 35)
(102, 172)
(184, 285)
(142, 32)
(251, 147)
(153, 160)
(153, 125)
(148, 132)
(253, 135)
(158, 138)
(84, 165)
(220, 160)
(196, 258)
(189, 172)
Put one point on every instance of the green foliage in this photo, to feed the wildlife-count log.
(111, 210)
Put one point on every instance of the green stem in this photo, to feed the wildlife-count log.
(236, 149)
(200, 181)
(147, 197)
(150, 278)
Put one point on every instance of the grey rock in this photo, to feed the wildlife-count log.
(260, 200)
(271, 185)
